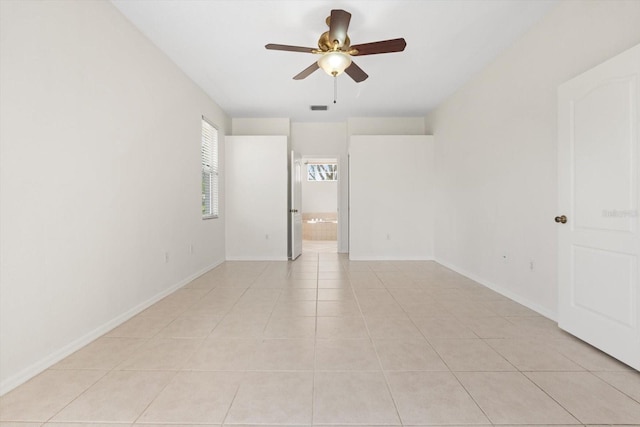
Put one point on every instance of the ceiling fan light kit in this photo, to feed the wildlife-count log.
(336, 50)
(334, 63)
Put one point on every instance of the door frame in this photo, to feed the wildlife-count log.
(342, 174)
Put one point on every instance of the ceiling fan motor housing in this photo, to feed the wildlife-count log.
(326, 44)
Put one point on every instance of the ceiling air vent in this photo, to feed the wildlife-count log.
(319, 108)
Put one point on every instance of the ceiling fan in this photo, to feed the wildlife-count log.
(336, 50)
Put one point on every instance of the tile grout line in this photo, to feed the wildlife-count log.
(50, 419)
(444, 361)
(175, 374)
(266, 325)
(243, 372)
(455, 373)
(315, 343)
(200, 346)
(254, 280)
(235, 394)
(145, 340)
(375, 349)
(230, 308)
(551, 397)
(595, 373)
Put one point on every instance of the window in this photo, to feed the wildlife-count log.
(322, 172)
(209, 152)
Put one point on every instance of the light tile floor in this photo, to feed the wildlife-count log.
(326, 341)
(320, 246)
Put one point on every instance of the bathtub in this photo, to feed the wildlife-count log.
(320, 226)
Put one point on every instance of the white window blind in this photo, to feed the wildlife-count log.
(209, 152)
(322, 172)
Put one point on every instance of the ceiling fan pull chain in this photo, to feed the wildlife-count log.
(335, 88)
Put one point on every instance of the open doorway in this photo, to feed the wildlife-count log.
(320, 205)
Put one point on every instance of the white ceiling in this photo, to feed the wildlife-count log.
(220, 45)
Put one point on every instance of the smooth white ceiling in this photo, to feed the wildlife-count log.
(220, 45)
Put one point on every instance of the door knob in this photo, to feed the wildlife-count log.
(561, 219)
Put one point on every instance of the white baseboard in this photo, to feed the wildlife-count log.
(53, 358)
(501, 290)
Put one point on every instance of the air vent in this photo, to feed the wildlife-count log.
(319, 108)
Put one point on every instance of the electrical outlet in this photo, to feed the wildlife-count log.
(531, 265)
(166, 257)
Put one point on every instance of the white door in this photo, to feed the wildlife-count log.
(599, 244)
(295, 211)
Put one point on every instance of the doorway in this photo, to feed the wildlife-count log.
(320, 182)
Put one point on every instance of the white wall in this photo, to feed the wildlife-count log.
(391, 204)
(328, 140)
(386, 126)
(496, 150)
(331, 140)
(257, 197)
(100, 177)
(319, 196)
(261, 126)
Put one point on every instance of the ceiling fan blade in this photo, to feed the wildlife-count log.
(338, 26)
(356, 73)
(288, 48)
(306, 72)
(385, 46)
